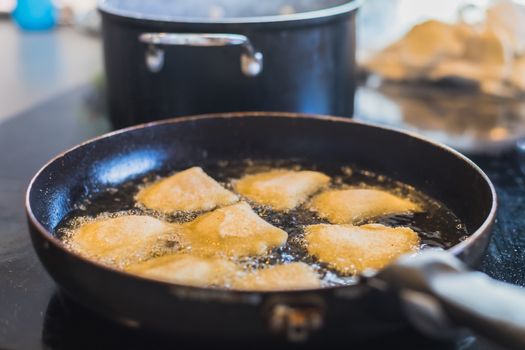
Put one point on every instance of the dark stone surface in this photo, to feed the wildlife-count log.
(34, 316)
(505, 259)
(27, 142)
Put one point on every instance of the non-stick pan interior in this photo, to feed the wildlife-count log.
(110, 161)
(206, 10)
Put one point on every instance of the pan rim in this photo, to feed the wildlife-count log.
(57, 244)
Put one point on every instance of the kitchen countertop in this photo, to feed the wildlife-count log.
(35, 66)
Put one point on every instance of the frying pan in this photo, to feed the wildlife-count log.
(435, 290)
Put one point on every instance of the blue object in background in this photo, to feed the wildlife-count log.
(35, 14)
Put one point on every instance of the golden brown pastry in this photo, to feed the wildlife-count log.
(281, 189)
(124, 239)
(187, 191)
(233, 231)
(353, 249)
(357, 204)
(291, 276)
(187, 269)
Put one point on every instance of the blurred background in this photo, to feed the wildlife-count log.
(49, 47)
(472, 103)
(451, 70)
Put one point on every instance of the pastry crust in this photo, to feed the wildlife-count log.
(354, 249)
(292, 276)
(281, 189)
(124, 239)
(356, 205)
(191, 190)
(233, 231)
(188, 269)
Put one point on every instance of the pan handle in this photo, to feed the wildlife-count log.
(251, 59)
(438, 292)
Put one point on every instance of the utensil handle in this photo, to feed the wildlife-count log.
(251, 59)
(435, 287)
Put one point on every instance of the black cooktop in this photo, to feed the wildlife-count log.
(34, 315)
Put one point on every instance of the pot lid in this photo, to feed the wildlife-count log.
(227, 11)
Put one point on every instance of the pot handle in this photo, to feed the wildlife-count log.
(251, 59)
(438, 292)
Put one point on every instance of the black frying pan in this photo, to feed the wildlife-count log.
(366, 309)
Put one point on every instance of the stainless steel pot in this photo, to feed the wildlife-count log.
(171, 58)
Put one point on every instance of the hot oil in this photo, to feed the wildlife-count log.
(436, 225)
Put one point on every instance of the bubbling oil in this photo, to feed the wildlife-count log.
(437, 226)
